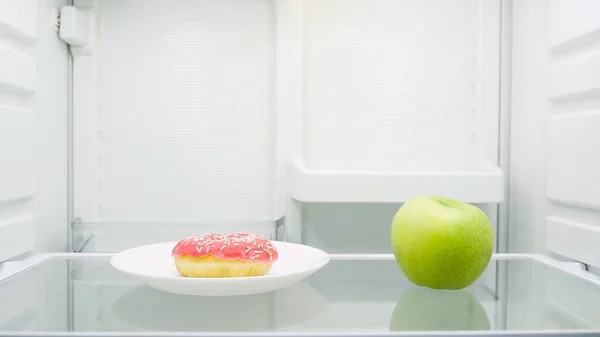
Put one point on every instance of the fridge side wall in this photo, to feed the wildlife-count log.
(554, 198)
(33, 129)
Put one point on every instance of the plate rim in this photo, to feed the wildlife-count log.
(118, 255)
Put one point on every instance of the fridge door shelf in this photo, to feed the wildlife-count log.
(112, 237)
(79, 294)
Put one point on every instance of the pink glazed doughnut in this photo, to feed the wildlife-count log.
(224, 255)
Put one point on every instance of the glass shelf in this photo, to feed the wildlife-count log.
(113, 237)
(82, 294)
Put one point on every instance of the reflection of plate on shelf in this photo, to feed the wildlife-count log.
(154, 266)
(159, 311)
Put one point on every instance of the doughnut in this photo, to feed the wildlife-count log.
(224, 255)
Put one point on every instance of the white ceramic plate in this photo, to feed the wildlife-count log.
(154, 266)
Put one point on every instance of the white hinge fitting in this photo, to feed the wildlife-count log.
(55, 19)
(73, 26)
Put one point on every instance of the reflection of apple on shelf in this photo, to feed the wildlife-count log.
(424, 309)
(468, 180)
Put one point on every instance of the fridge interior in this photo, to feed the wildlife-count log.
(309, 121)
(225, 111)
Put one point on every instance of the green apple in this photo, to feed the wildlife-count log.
(423, 309)
(441, 243)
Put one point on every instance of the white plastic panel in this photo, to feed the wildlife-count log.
(575, 78)
(18, 127)
(17, 300)
(573, 169)
(52, 105)
(17, 70)
(192, 111)
(573, 225)
(555, 206)
(390, 85)
(396, 99)
(38, 299)
(33, 129)
(400, 98)
(182, 125)
(18, 149)
(20, 17)
(578, 305)
(474, 182)
(572, 21)
(17, 235)
(572, 239)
